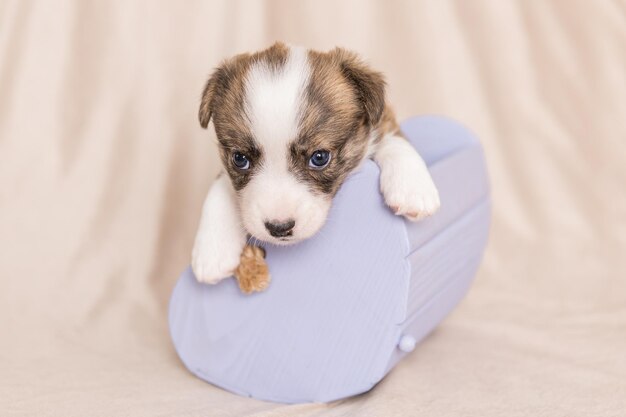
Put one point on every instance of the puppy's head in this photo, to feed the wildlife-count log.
(291, 125)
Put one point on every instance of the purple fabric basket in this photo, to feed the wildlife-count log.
(346, 305)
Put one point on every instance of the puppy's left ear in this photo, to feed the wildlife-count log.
(369, 84)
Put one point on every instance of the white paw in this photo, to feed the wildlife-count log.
(213, 261)
(409, 192)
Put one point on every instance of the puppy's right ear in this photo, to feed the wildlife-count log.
(223, 86)
(206, 109)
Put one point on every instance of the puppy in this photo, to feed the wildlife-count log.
(292, 124)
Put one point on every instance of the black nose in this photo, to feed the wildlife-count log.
(280, 229)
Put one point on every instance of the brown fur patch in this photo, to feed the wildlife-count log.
(344, 102)
(388, 124)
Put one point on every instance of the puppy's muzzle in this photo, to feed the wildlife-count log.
(280, 229)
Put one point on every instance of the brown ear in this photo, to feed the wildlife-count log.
(220, 86)
(204, 114)
(369, 84)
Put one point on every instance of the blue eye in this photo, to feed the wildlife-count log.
(241, 161)
(319, 159)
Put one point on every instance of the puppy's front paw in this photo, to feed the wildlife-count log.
(410, 193)
(252, 273)
(212, 262)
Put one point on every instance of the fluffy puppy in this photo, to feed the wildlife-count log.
(292, 124)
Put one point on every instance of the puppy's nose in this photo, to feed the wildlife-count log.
(280, 229)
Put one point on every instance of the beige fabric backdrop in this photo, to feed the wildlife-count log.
(103, 169)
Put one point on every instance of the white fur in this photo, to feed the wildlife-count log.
(274, 99)
(273, 103)
(220, 237)
(405, 182)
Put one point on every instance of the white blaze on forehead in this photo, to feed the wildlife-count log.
(274, 99)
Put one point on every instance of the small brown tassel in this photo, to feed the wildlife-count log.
(252, 273)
